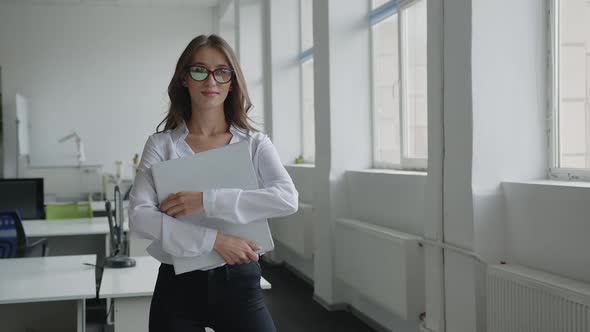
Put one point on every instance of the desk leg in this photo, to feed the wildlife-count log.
(81, 316)
(132, 314)
(108, 246)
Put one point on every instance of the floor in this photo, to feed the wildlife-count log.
(293, 309)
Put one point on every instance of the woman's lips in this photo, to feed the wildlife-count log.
(209, 93)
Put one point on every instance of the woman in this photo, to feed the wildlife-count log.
(208, 106)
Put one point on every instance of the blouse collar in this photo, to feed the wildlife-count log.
(181, 132)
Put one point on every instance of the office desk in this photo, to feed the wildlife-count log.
(81, 236)
(132, 289)
(52, 290)
(67, 227)
(73, 236)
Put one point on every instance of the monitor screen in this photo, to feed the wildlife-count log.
(24, 195)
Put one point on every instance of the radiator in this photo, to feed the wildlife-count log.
(295, 231)
(383, 265)
(520, 299)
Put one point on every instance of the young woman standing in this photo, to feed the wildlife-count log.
(208, 106)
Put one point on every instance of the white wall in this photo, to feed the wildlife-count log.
(509, 105)
(342, 124)
(460, 299)
(386, 199)
(509, 88)
(102, 70)
(547, 227)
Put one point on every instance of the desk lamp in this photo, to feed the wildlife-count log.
(80, 155)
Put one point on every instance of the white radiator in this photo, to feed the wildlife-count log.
(383, 265)
(520, 299)
(295, 231)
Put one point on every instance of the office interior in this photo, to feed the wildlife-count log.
(440, 147)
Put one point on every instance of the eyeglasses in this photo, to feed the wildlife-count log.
(200, 73)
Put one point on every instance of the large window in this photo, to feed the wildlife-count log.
(227, 26)
(251, 54)
(571, 89)
(399, 84)
(307, 86)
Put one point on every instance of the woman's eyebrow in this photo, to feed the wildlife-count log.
(206, 65)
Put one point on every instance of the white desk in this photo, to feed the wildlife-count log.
(73, 236)
(45, 288)
(67, 227)
(132, 289)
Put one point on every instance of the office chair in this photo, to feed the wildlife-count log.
(13, 241)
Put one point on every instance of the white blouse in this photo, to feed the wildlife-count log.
(173, 237)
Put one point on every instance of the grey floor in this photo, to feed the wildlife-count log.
(293, 309)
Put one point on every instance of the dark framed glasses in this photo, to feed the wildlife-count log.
(200, 73)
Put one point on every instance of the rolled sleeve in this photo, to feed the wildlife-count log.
(277, 198)
(178, 238)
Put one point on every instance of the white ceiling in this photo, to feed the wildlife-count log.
(139, 3)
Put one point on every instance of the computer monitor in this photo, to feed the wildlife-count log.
(26, 195)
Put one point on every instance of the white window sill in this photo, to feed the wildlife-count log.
(388, 171)
(300, 165)
(553, 183)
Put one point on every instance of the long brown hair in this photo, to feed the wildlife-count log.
(237, 103)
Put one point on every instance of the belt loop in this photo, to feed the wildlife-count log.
(210, 274)
(226, 272)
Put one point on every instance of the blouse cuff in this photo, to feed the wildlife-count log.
(184, 239)
(209, 197)
(209, 240)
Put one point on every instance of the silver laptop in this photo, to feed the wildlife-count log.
(229, 166)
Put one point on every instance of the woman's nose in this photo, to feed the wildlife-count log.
(210, 80)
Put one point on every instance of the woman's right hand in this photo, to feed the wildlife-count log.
(235, 250)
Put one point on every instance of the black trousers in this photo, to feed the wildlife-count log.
(226, 299)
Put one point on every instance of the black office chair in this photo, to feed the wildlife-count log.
(13, 241)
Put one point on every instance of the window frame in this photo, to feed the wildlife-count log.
(554, 172)
(304, 57)
(376, 16)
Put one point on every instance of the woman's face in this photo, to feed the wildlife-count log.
(208, 93)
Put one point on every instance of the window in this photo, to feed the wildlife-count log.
(378, 3)
(251, 54)
(399, 84)
(227, 27)
(307, 83)
(570, 139)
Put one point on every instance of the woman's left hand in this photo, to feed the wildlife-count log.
(182, 204)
